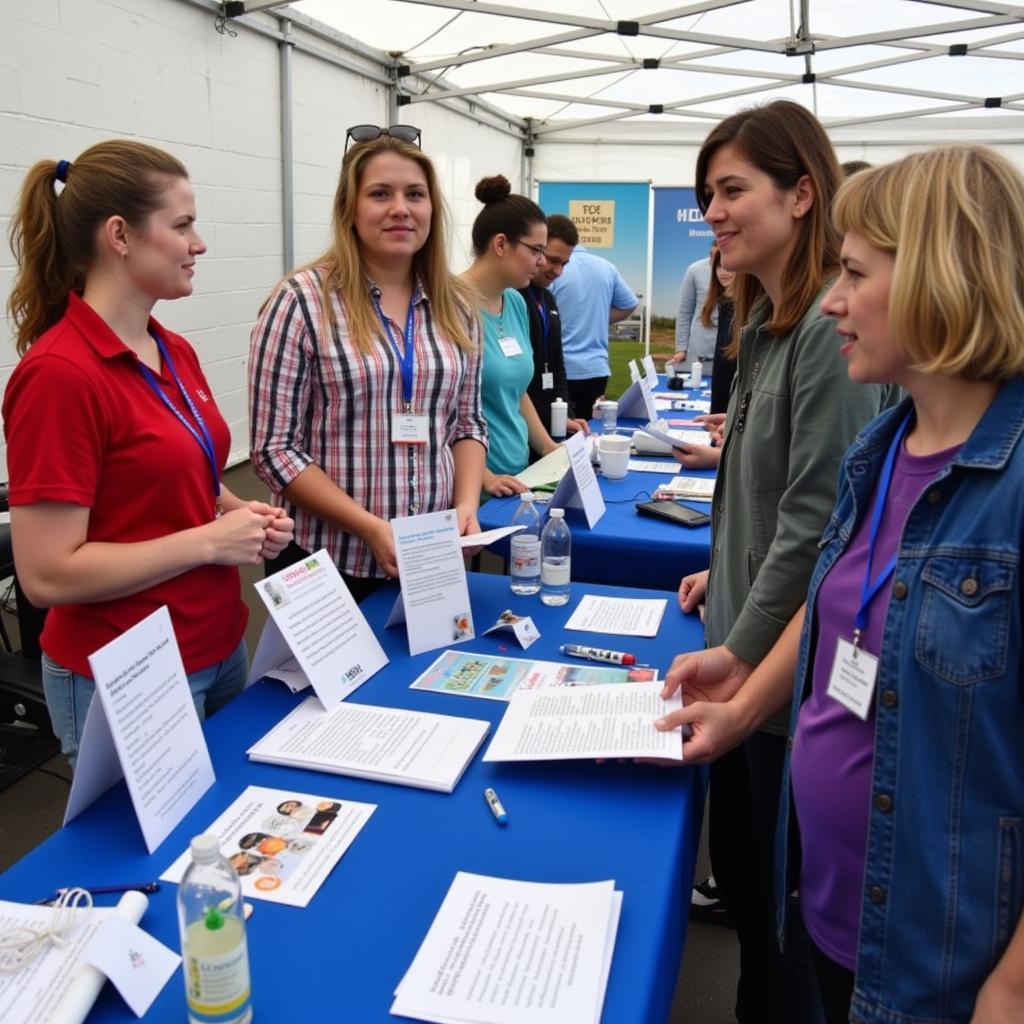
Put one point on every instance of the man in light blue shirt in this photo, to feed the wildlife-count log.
(591, 296)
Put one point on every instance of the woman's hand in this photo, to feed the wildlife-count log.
(468, 524)
(238, 536)
(714, 424)
(692, 589)
(709, 730)
(381, 542)
(697, 456)
(279, 533)
(578, 426)
(500, 485)
(715, 675)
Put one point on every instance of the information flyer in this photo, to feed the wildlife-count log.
(283, 844)
(315, 635)
(496, 678)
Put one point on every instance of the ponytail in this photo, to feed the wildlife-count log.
(53, 234)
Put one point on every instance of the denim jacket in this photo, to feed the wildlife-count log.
(944, 876)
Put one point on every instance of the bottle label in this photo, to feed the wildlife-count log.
(217, 985)
(525, 556)
(553, 574)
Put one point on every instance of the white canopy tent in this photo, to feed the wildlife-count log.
(607, 69)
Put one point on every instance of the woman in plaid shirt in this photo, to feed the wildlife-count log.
(364, 371)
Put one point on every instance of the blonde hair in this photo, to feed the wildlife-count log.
(343, 271)
(953, 218)
(53, 234)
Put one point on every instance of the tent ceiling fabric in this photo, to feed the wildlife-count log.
(566, 64)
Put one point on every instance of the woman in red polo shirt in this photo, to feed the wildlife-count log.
(115, 445)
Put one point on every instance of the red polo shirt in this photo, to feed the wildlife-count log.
(83, 426)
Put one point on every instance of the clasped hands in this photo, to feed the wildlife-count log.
(251, 532)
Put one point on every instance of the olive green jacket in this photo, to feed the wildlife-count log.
(792, 414)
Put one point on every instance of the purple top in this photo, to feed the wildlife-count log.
(833, 750)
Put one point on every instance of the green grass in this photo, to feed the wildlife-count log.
(620, 353)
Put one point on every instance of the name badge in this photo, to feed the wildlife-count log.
(547, 381)
(510, 346)
(852, 679)
(408, 428)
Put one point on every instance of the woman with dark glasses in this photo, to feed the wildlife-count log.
(364, 371)
(508, 236)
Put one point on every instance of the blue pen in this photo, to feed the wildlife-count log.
(496, 807)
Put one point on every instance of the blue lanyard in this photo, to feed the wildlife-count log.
(205, 441)
(869, 589)
(407, 358)
(538, 300)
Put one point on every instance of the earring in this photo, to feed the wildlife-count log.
(124, 254)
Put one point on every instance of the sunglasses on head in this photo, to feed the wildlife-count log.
(369, 132)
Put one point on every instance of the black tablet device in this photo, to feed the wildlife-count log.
(674, 513)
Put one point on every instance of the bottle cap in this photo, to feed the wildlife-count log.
(205, 848)
(556, 513)
(527, 496)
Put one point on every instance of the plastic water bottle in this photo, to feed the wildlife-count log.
(556, 555)
(559, 413)
(524, 567)
(213, 948)
(610, 416)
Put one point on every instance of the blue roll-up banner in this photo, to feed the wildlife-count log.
(611, 218)
(681, 237)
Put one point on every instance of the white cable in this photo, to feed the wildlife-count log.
(22, 944)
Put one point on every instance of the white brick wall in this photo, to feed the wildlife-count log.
(73, 72)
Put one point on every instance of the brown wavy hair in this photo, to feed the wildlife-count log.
(785, 141)
(53, 234)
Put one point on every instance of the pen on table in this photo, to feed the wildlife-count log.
(496, 806)
(103, 890)
(599, 654)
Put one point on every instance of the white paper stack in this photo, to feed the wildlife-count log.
(506, 952)
(586, 722)
(693, 488)
(409, 748)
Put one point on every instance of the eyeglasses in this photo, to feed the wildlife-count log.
(369, 132)
(537, 250)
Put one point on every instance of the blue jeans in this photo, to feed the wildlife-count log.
(68, 694)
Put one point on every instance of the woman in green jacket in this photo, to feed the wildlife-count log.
(766, 178)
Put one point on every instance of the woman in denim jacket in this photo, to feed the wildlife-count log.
(907, 728)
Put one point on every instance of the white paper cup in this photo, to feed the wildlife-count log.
(614, 449)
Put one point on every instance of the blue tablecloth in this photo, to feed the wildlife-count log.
(626, 549)
(341, 957)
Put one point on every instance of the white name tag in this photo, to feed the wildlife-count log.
(547, 381)
(852, 679)
(408, 428)
(510, 346)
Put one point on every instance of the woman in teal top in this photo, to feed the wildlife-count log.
(508, 242)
